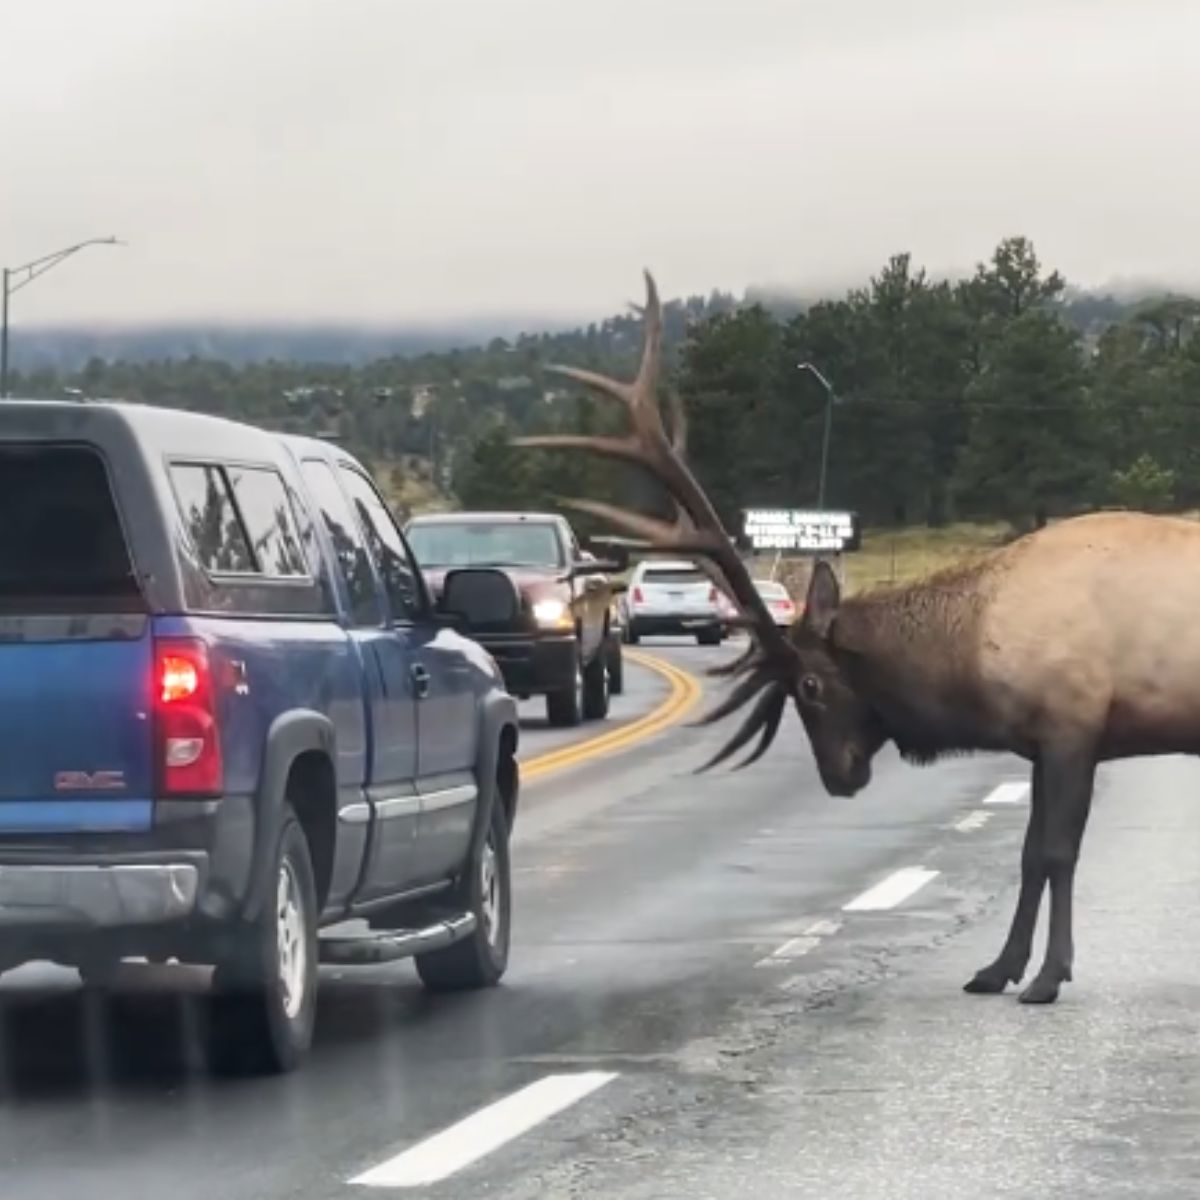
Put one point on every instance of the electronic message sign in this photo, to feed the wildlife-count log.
(800, 531)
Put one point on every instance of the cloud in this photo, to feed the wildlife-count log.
(400, 159)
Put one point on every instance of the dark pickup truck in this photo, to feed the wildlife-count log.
(563, 641)
(231, 720)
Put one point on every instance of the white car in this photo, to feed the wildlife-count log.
(782, 607)
(668, 596)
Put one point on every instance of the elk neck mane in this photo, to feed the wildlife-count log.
(912, 653)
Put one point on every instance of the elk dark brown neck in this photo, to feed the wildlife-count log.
(912, 653)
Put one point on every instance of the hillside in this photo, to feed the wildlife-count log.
(1003, 397)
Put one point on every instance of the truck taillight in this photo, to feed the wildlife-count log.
(637, 595)
(187, 740)
(712, 595)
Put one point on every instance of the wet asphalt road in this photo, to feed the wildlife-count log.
(686, 938)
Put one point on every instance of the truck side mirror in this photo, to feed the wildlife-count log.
(614, 556)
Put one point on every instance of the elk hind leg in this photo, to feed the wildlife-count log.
(1069, 782)
(1009, 965)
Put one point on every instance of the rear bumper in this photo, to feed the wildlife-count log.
(87, 896)
(659, 623)
(192, 863)
(534, 665)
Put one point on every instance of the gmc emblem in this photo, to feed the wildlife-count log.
(89, 781)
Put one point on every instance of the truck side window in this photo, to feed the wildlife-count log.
(386, 545)
(212, 519)
(347, 541)
(269, 519)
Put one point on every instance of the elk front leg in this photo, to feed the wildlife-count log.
(1069, 779)
(1010, 964)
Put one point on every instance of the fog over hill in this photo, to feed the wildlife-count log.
(70, 347)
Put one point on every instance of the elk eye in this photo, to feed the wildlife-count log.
(810, 688)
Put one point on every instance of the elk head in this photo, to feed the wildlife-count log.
(801, 663)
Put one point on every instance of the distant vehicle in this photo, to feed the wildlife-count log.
(232, 718)
(673, 597)
(558, 643)
(729, 613)
(780, 603)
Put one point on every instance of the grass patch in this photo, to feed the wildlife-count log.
(892, 556)
(905, 555)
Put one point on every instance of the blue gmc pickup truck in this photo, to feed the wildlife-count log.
(232, 721)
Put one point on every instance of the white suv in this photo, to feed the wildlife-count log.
(670, 596)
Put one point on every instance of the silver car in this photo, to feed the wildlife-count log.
(668, 596)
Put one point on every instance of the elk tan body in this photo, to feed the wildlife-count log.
(1087, 627)
(1073, 645)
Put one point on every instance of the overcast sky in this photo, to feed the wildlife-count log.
(385, 160)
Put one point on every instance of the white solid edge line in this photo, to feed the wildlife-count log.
(891, 891)
(468, 1140)
(1012, 792)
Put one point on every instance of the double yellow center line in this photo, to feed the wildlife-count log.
(684, 694)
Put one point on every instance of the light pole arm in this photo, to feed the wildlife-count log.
(25, 275)
(13, 279)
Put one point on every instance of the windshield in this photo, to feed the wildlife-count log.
(485, 544)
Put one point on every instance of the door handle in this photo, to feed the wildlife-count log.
(420, 678)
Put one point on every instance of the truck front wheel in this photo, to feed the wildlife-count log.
(565, 707)
(485, 890)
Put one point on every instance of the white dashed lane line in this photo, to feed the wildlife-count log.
(798, 947)
(473, 1137)
(1013, 792)
(973, 821)
(893, 890)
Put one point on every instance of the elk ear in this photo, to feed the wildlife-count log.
(824, 596)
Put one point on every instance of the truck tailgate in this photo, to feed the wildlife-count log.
(76, 649)
(75, 714)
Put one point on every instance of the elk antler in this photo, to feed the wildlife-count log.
(769, 666)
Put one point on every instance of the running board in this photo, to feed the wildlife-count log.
(364, 949)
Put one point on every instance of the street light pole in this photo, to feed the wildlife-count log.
(15, 278)
(4, 294)
(829, 401)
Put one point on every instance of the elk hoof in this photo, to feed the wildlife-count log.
(1043, 990)
(990, 981)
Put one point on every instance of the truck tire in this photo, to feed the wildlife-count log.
(485, 890)
(595, 686)
(616, 668)
(566, 707)
(264, 1001)
(709, 637)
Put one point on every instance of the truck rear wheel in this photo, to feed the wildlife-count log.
(616, 668)
(595, 686)
(264, 1001)
(485, 890)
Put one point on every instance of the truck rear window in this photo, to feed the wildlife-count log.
(62, 547)
(674, 575)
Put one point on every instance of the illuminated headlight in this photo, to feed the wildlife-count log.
(552, 614)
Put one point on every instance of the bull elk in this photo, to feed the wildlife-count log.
(1062, 648)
